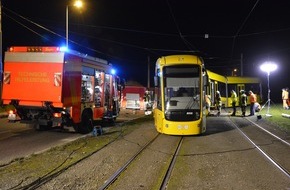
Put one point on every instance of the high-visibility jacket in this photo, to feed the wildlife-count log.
(234, 96)
(253, 98)
(243, 100)
(285, 95)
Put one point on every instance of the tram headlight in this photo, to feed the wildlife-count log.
(197, 116)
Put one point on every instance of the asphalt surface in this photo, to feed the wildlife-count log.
(19, 140)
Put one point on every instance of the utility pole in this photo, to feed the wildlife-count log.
(242, 67)
(148, 73)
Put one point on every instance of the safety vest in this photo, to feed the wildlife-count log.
(243, 100)
(234, 96)
(253, 98)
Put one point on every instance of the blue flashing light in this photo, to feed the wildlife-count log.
(113, 71)
(63, 49)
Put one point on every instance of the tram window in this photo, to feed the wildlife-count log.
(232, 87)
(253, 87)
(222, 89)
(158, 93)
(159, 100)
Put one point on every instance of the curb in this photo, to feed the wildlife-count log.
(3, 115)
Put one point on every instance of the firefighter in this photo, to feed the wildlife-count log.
(253, 100)
(285, 97)
(288, 100)
(234, 101)
(243, 102)
(207, 103)
(218, 102)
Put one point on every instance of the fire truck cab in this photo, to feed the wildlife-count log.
(50, 87)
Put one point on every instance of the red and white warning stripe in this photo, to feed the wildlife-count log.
(7, 77)
(57, 79)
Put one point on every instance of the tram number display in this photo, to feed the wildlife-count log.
(185, 70)
(182, 127)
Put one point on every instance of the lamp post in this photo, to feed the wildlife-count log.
(77, 4)
(268, 67)
(234, 72)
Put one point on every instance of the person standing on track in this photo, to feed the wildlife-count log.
(285, 96)
(218, 102)
(243, 102)
(234, 101)
(253, 100)
(207, 103)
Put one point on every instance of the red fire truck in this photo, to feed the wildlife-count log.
(50, 87)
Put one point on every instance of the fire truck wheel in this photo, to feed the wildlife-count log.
(39, 127)
(87, 122)
(76, 127)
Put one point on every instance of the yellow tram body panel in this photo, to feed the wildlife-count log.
(179, 59)
(225, 84)
(177, 128)
(166, 91)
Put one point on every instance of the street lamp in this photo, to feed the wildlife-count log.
(77, 4)
(268, 67)
(234, 72)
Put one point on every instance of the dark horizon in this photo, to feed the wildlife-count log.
(131, 34)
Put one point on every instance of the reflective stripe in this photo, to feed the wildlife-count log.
(57, 79)
(7, 78)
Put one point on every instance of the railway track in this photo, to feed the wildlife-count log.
(41, 180)
(257, 135)
(171, 166)
(124, 167)
(166, 176)
(231, 150)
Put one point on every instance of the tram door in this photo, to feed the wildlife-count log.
(212, 92)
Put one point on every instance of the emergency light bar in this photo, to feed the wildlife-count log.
(34, 49)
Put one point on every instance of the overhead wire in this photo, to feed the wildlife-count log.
(71, 41)
(241, 27)
(189, 45)
(25, 26)
(151, 50)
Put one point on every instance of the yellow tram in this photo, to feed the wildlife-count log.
(179, 105)
(225, 84)
(182, 85)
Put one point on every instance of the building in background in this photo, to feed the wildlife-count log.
(133, 96)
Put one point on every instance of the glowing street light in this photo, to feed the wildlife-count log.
(234, 72)
(268, 67)
(77, 4)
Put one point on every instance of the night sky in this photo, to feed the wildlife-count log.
(129, 33)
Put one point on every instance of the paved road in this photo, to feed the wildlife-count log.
(20, 140)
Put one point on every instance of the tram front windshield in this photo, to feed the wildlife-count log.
(182, 92)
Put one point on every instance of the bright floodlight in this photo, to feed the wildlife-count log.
(268, 67)
(78, 4)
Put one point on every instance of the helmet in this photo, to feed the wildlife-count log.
(217, 92)
(242, 91)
